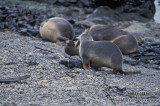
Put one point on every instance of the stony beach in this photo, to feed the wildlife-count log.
(54, 84)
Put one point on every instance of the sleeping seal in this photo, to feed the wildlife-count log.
(54, 27)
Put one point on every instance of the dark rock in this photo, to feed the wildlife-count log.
(24, 21)
(3, 17)
(71, 63)
(3, 25)
(9, 63)
(4, 8)
(51, 1)
(32, 63)
(71, 1)
(101, 15)
(23, 31)
(10, 104)
(33, 32)
(149, 54)
(140, 10)
(133, 63)
(86, 2)
(61, 1)
(116, 3)
(104, 12)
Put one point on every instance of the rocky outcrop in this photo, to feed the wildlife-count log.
(116, 10)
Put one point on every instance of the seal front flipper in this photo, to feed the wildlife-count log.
(86, 63)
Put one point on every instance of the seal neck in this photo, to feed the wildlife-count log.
(85, 37)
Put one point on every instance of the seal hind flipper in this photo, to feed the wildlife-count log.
(62, 38)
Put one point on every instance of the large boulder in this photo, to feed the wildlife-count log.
(140, 10)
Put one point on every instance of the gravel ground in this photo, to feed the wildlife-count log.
(54, 84)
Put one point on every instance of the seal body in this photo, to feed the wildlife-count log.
(53, 27)
(124, 40)
(99, 53)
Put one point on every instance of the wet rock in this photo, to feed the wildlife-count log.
(101, 15)
(51, 1)
(32, 63)
(86, 23)
(71, 1)
(17, 19)
(23, 31)
(71, 63)
(133, 63)
(10, 104)
(140, 10)
(86, 2)
(149, 54)
(117, 3)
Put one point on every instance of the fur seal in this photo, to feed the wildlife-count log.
(70, 46)
(71, 49)
(124, 40)
(54, 27)
(11, 80)
(100, 54)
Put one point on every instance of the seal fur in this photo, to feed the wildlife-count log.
(100, 54)
(52, 28)
(124, 40)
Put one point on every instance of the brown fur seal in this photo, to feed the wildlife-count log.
(124, 40)
(100, 54)
(71, 49)
(11, 80)
(54, 27)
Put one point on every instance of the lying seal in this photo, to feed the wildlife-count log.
(124, 40)
(54, 27)
(100, 54)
